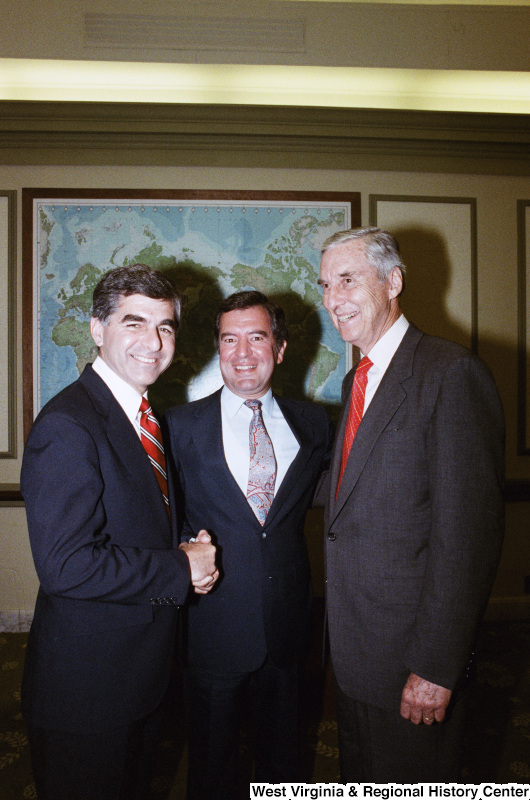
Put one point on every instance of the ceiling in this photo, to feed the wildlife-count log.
(417, 55)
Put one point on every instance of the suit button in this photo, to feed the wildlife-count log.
(331, 537)
(263, 535)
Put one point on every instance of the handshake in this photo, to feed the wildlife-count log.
(201, 555)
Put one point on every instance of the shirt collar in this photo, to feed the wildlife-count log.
(128, 398)
(232, 403)
(384, 350)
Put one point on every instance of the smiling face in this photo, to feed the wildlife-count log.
(137, 341)
(248, 352)
(361, 307)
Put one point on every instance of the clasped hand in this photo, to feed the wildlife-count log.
(201, 555)
(423, 701)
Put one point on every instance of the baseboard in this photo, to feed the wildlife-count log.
(15, 621)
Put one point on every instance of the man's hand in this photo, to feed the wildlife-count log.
(424, 701)
(201, 555)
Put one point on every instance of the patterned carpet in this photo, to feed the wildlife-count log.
(497, 746)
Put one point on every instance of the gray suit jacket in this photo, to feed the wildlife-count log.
(414, 536)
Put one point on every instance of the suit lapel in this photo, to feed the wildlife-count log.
(126, 443)
(336, 453)
(302, 430)
(208, 436)
(389, 396)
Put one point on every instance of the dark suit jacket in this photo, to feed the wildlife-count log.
(262, 602)
(414, 538)
(99, 650)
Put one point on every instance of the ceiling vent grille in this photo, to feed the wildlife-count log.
(146, 32)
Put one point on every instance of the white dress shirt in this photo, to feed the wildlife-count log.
(128, 398)
(381, 355)
(236, 417)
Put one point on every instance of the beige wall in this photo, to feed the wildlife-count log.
(432, 228)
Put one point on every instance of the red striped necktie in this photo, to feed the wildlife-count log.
(151, 437)
(355, 413)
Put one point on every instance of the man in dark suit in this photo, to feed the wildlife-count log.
(413, 522)
(247, 474)
(111, 574)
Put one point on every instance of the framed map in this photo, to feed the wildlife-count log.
(212, 244)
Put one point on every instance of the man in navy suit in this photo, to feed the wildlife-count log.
(414, 522)
(111, 574)
(246, 639)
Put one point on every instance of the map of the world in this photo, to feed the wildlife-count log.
(210, 249)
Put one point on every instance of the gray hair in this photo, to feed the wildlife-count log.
(380, 248)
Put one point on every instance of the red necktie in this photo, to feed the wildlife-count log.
(151, 437)
(355, 413)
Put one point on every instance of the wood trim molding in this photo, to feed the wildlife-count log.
(9, 330)
(221, 135)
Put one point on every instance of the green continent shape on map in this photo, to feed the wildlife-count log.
(70, 332)
(73, 329)
(323, 365)
(46, 227)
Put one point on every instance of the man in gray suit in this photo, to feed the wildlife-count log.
(413, 522)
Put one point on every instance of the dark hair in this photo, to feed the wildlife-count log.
(248, 299)
(134, 279)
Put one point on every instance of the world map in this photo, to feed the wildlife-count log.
(210, 249)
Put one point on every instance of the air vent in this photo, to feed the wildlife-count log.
(194, 33)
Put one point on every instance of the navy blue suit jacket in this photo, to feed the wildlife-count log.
(99, 651)
(261, 604)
